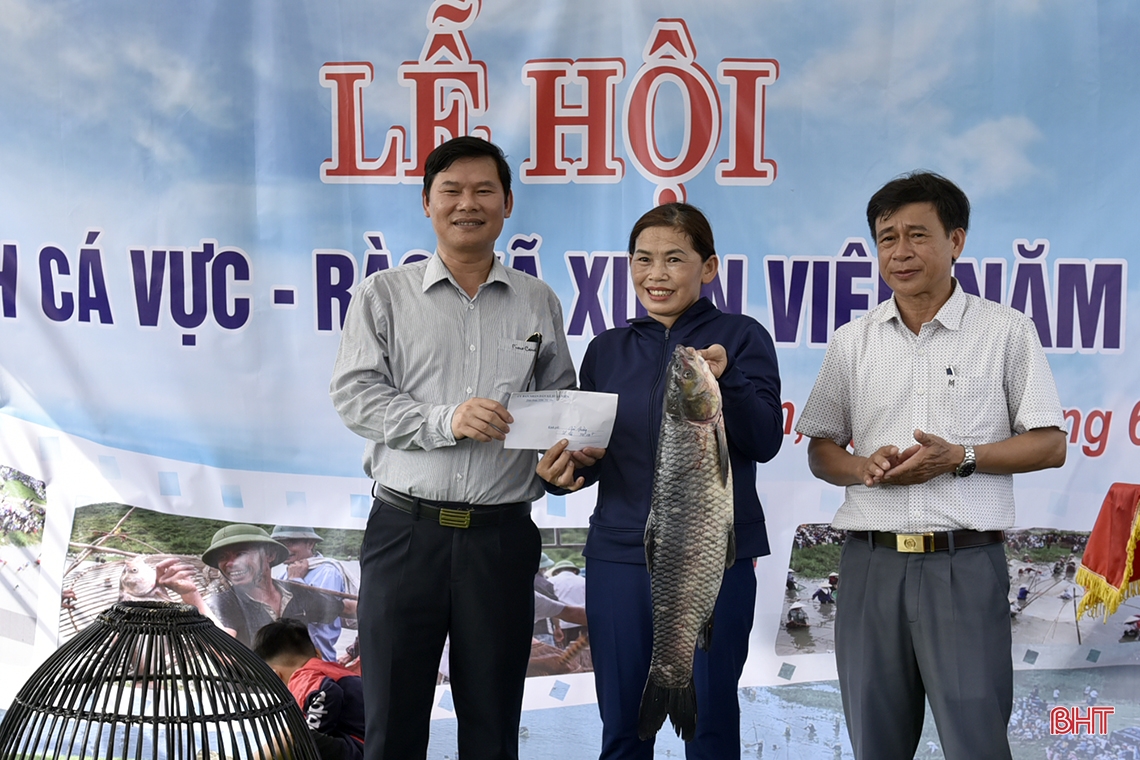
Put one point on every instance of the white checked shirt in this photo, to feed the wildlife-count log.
(414, 346)
(975, 374)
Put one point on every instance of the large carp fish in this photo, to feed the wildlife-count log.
(689, 539)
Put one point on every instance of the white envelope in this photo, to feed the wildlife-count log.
(543, 418)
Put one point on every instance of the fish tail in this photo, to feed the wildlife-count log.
(679, 704)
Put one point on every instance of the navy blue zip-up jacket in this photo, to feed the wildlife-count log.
(632, 362)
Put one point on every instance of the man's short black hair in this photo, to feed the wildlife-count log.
(285, 637)
(465, 147)
(950, 203)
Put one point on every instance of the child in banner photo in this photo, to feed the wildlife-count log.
(671, 257)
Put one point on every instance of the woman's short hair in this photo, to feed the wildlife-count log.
(682, 217)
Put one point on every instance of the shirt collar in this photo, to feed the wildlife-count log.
(949, 316)
(282, 587)
(436, 271)
(286, 595)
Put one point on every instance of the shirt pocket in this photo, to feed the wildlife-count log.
(514, 367)
(981, 414)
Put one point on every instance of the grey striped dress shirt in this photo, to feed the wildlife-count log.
(414, 347)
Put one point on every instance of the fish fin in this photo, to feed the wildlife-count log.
(722, 449)
(730, 550)
(650, 543)
(704, 635)
(654, 708)
(679, 704)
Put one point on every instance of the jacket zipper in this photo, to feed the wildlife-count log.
(661, 367)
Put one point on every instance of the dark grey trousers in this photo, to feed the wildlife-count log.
(419, 582)
(935, 626)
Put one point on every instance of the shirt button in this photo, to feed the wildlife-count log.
(470, 306)
(921, 391)
(468, 389)
(459, 476)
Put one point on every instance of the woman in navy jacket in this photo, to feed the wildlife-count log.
(671, 257)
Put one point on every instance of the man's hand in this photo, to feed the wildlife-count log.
(481, 419)
(874, 469)
(297, 570)
(558, 465)
(350, 654)
(573, 614)
(930, 457)
(176, 575)
(716, 357)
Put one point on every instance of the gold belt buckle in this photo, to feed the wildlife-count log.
(914, 543)
(455, 518)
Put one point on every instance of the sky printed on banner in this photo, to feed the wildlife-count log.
(163, 125)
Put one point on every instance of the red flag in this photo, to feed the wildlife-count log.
(1108, 569)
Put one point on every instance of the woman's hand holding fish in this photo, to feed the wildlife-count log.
(716, 357)
(558, 465)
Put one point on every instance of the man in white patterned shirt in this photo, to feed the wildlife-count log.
(942, 396)
(429, 354)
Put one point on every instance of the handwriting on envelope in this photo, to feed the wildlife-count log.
(545, 417)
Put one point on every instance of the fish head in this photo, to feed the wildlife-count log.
(692, 393)
(139, 577)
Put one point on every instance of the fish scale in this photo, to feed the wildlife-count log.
(689, 539)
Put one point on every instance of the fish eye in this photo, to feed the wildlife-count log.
(688, 374)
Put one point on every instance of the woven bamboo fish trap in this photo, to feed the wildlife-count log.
(154, 680)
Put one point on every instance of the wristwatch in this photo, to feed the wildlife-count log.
(969, 464)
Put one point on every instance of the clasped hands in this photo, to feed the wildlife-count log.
(928, 458)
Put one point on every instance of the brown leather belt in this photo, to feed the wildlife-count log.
(452, 514)
(919, 543)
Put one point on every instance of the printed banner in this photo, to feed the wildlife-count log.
(192, 192)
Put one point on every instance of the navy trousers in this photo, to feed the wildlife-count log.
(911, 627)
(620, 613)
(420, 581)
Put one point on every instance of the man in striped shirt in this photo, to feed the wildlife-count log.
(429, 354)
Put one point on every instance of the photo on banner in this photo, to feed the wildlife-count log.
(1043, 594)
(118, 552)
(23, 502)
(560, 645)
(182, 228)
